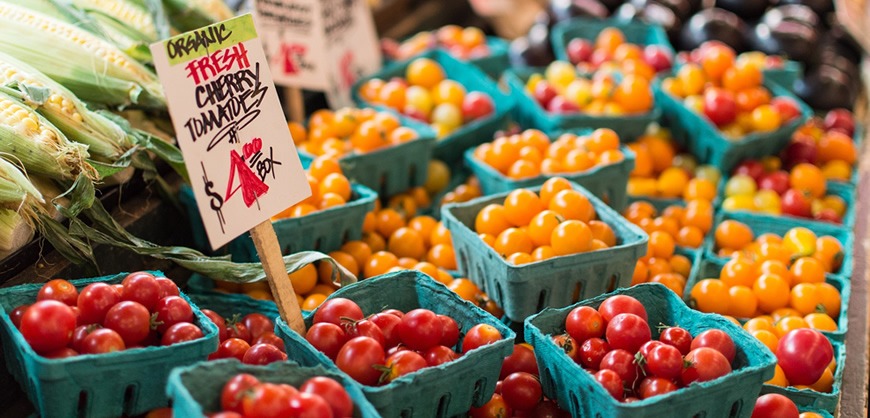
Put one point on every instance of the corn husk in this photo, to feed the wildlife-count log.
(15, 231)
(193, 14)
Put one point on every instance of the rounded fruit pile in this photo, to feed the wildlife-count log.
(329, 188)
(246, 396)
(531, 154)
(729, 93)
(518, 391)
(659, 171)
(385, 346)
(826, 143)
(757, 59)
(350, 131)
(426, 94)
(735, 239)
(250, 339)
(686, 225)
(801, 192)
(562, 90)
(804, 360)
(141, 311)
(614, 343)
(531, 226)
(462, 43)
(611, 49)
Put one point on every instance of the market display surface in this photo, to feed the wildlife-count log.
(639, 209)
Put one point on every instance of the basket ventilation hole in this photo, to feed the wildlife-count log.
(478, 392)
(345, 237)
(598, 415)
(406, 413)
(412, 174)
(383, 183)
(611, 286)
(442, 405)
(547, 379)
(129, 398)
(701, 414)
(575, 404)
(542, 300)
(463, 261)
(82, 409)
(317, 244)
(498, 292)
(735, 408)
(578, 290)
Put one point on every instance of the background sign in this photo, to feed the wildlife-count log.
(242, 162)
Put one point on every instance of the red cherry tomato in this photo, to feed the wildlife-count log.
(522, 359)
(611, 381)
(231, 348)
(141, 287)
(59, 290)
(387, 323)
(803, 355)
(266, 400)
(622, 362)
(402, 363)
(494, 408)
(48, 325)
(364, 328)
(308, 405)
(521, 391)
(238, 330)
(774, 405)
(102, 340)
(258, 324)
(65, 352)
(584, 322)
(16, 314)
(420, 329)
(451, 331)
(261, 354)
(333, 310)
(439, 355)
(95, 300)
(235, 389)
(270, 338)
(327, 338)
(79, 334)
(665, 361)
(172, 310)
(219, 321)
(181, 332)
(655, 386)
(479, 336)
(677, 337)
(592, 351)
(130, 319)
(717, 340)
(618, 304)
(332, 392)
(357, 358)
(703, 364)
(167, 287)
(628, 332)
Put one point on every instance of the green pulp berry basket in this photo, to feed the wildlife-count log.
(196, 390)
(732, 395)
(128, 382)
(709, 268)
(492, 64)
(442, 391)
(811, 399)
(781, 225)
(607, 182)
(785, 76)
(530, 114)
(527, 289)
(706, 142)
(449, 148)
(635, 32)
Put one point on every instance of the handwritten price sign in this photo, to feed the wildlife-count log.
(230, 126)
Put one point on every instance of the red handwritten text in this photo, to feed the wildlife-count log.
(211, 65)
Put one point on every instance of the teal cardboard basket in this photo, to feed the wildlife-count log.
(492, 64)
(449, 148)
(781, 225)
(128, 382)
(442, 391)
(196, 390)
(811, 399)
(635, 32)
(790, 72)
(732, 395)
(228, 305)
(607, 182)
(323, 230)
(706, 142)
(527, 289)
(710, 268)
(530, 114)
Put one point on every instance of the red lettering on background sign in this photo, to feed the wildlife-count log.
(292, 52)
(347, 75)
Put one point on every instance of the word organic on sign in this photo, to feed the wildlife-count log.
(242, 162)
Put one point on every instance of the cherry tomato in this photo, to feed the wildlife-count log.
(308, 405)
(261, 354)
(647, 347)
(655, 386)
(796, 203)
(364, 328)
(592, 351)
(181, 332)
(665, 361)
(95, 300)
(451, 331)
(258, 324)
(439, 355)
(522, 359)
(141, 287)
(167, 287)
(238, 330)
(521, 391)
(219, 321)
(130, 319)
(333, 310)
(231, 348)
(270, 338)
(622, 362)
(387, 323)
(494, 408)
(234, 391)
(395, 312)
(266, 400)
(584, 322)
(16, 315)
(569, 345)
(677, 337)
(59, 290)
(332, 392)
(803, 354)
(420, 329)
(478, 336)
(48, 325)
(357, 358)
(628, 332)
(327, 338)
(703, 364)
(717, 340)
(79, 334)
(612, 383)
(618, 304)
(402, 363)
(549, 409)
(172, 310)
(102, 340)
(62, 353)
(774, 405)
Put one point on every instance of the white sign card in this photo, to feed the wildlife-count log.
(323, 45)
(230, 126)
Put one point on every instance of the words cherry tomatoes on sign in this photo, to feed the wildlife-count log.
(584, 322)
(333, 310)
(774, 405)
(48, 325)
(618, 304)
(479, 336)
(717, 340)
(703, 364)
(803, 354)
(332, 392)
(628, 332)
(358, 357)
(59, 290)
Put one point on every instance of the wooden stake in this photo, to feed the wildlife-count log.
(295, 104)
(269, 251)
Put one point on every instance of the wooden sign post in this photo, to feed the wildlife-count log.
(231, 128)
(321, 45)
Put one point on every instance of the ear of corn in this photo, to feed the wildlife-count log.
(193, 14)
(128, 13)
(15, 189)
(15, 231)
(93, 68)
(38, 145)
(63, 109)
